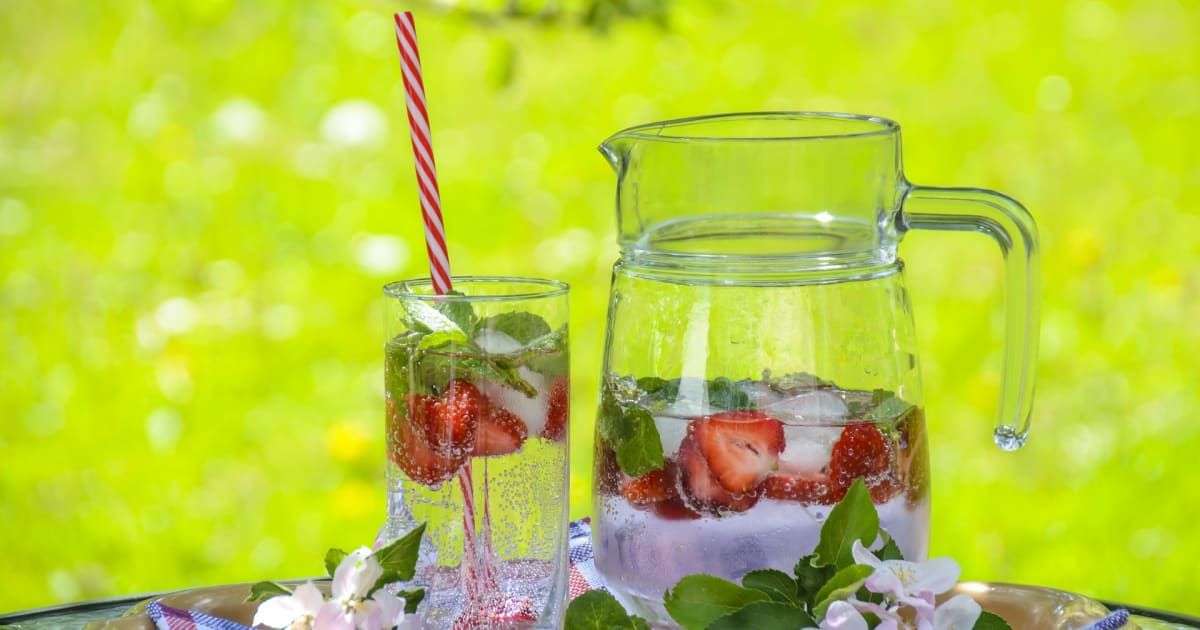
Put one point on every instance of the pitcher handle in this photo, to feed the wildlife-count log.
(1010, 225)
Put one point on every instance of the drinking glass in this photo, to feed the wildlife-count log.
(477, 394)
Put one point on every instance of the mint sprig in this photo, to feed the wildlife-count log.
(440, 346)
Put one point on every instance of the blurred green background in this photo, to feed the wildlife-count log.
(200, 200)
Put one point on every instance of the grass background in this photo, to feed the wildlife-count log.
(199, 201)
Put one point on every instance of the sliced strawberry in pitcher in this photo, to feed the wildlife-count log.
(861, 451)
(450, 431)
(499, 433)
(674, 509)
(653, 487)
(807, 488)
(701, 487)
(740, 447)
(410, 451)
(558, 410)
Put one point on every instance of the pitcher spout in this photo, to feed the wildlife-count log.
(616, 150)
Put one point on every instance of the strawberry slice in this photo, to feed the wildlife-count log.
(653, 487)
(410, 451)
(450, 431)
(861, 451)
(558, 410)
(499, 433)
(674, 509)
(701, 487)
(807, 488)
(740, 447)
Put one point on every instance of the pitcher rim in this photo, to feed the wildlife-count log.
(653, 130)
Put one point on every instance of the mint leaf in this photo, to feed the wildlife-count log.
(810, 577)
(333, 558)
(725, 394)
(991, 621)
(641, 450)
(497, 369)
(853, 518)
(460, 312)
(610, 424)
(843, 584)
(412, 599)
(438, 329)
(764, 616)
(889, 409)
(399, 558)
(778, 585)
(262, 591)
(698, 600)
(522, 326)
(599, 610)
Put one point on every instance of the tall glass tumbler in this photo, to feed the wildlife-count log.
(478, 390)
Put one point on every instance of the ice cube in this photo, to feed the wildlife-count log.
(532, 411)
(496, 342)
(807, 449)
(671, 431)
(818, 406)
(761, 394)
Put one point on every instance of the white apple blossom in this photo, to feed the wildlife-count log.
(349, 608)
(297, 611)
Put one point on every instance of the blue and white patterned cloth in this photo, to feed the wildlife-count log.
(167, 618)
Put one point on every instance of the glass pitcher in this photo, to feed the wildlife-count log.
(760, 353)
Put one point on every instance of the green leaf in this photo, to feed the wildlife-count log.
(333, 558)
(412, 599)
(611, 423)
(498, 369)
(437, 327)
(698, 600)
(598, 610)
(460, 312)
(991, 621)
(843, 584)
(399, 557)
(853, 518)
(261, 591)
(889, 409)
(890, 551)
(641, 451)
(725, 394)
(639, 623)
(764, 616)
(522, 326)
(778, 585)
(810, 577)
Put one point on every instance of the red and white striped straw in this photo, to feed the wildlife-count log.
(418, 123)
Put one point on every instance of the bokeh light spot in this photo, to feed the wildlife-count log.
(354, 122)
(240, 121)
(176, 316)
(381, 254)
(14, 217)
(1053, 94)
(164, 426)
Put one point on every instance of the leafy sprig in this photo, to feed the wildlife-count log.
(441, 346)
